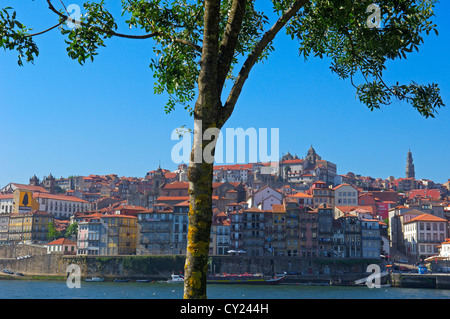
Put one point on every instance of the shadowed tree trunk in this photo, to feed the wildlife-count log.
(200, 173)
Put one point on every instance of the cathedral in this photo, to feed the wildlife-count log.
(296, 170)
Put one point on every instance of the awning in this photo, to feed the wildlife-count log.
(433, 258)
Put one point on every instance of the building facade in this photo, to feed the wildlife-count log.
(370, 238)
(345, 195)
(423, 235)
(30, 227)
(61, 206)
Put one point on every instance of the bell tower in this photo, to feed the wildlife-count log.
(410, 173)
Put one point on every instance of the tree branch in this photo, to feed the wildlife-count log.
(207, 79)
(228, 108)
(45, 31)
(116, 34)
(230, 40)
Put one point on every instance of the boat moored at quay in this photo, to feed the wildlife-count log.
(246, 279)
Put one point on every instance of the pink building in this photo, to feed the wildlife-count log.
(62, 245)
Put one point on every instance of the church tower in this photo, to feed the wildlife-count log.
(50, 183)
(410, 166)
(34, 181)
(311, 158)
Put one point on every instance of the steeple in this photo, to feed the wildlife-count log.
(410, 166)
(311, 158)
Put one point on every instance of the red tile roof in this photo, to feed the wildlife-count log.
(61, 241)
(341, 185)
(278, 208)
(301, 195)
(30, 188)
(233, 166)
(427, 218)
(177, 185)
(172, 198)
(59, 197)
(292, 161)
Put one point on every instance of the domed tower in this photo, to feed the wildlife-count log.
(410, 173)
(34, 181)
(50, 183)
(311, 158)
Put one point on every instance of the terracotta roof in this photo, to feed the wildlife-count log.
(233, 166)
(292, 161)
(172, 198)
(278, 208)
(61, 241)
(427, 218)
(170, 175)
(118, 216)
(347, 209)
(183, 203)
(59, 197)
(30, 188)
(177, 185)
(221, 214)
(341, 185)
(301, 195)
(130, 207)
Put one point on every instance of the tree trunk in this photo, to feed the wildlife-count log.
(207, 114)
(200, 174)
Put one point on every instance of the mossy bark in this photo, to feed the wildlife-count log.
(200, 217)
(207, 114)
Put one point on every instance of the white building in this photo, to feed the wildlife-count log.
(231, 173)
(345, 195)
(6, 203)
(62, 246)
(445, 249)
(61, 206)
(423, 234)
(291, 166)
(265, 198)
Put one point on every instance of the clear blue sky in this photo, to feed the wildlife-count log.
(102, 118)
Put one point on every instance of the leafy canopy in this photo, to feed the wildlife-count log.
(336, 29)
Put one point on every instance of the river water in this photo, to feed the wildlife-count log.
(22, 289)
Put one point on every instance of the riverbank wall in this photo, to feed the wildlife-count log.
(299, 270)
(432, 281)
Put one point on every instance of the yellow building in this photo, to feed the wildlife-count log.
(29, 227)
(121, 234)
(279, 230)
(24, 201)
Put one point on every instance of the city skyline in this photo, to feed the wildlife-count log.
(103, 118)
